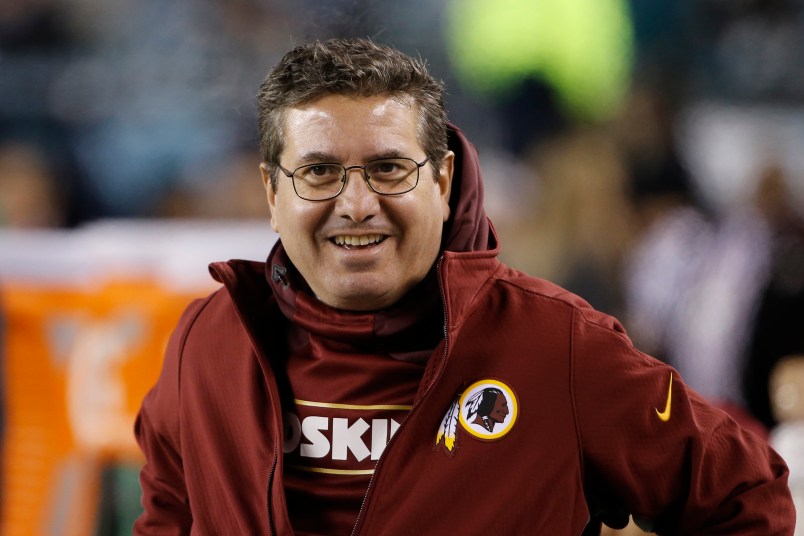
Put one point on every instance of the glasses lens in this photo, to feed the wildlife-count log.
(392, 175)
(318, 181)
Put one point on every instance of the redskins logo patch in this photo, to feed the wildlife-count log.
(487, 410)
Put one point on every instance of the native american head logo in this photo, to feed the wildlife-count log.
(487, 409)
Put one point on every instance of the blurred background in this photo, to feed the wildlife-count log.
(647, 155)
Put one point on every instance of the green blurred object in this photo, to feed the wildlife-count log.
(583, 49)
(120, 500)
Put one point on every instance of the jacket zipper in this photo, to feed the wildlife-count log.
(270, 486)
(358, 522)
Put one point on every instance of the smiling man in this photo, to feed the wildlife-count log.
(331, 390)
(357, 250)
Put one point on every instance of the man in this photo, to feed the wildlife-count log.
(327, 390)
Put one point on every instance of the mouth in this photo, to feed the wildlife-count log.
(354, 241)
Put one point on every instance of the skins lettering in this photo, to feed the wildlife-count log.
(335, 438)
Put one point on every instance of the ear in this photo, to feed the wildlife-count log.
(270, 194)
(444, 181)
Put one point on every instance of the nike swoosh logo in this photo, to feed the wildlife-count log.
(665, 415)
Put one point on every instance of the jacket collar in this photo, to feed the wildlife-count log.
(412, 325)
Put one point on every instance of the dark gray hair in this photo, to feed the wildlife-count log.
(354, 68)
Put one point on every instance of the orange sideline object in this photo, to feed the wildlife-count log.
(77, 363)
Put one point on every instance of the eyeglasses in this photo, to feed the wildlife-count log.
(385, 176)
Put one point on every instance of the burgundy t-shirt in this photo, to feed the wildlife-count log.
(346, 405)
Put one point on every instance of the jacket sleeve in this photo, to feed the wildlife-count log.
(166, 507)
(653, 448)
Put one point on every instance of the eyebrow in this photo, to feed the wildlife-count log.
(315, 157)
(389, 153)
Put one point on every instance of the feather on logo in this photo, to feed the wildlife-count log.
(449, 426)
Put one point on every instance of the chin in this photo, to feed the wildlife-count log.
(358, 296)
(361, 302)
(370, 291)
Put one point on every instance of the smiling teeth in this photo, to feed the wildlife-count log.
(365, 240)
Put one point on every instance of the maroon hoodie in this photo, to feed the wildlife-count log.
(533, 412)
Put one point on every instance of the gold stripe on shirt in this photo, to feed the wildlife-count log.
(334, 471)
(391, 407)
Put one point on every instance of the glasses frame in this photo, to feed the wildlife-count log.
(345, 176)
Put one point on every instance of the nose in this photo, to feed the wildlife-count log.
(357, 201)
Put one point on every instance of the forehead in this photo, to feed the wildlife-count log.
(351, 127)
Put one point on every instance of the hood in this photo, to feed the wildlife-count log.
(468, 228)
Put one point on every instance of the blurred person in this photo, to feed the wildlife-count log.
(580, 223)
(787, 437)
(669, 220)
(331, 389)
(718, 291)
(37, 42)
(223, 189)
(776, 333)
(690, 283)
(30, 196)
(699, 295)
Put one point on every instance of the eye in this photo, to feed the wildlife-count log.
(389, 169)
(322, 170)
(386, 167)
(319, 173)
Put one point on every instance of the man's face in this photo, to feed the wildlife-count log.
(403, 231)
